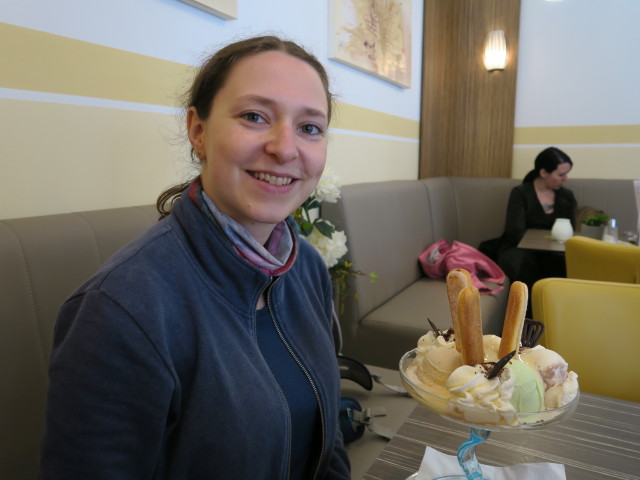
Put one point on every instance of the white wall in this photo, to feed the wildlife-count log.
(578, 85)
(149, 160)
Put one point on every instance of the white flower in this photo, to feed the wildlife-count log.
(330, 249)
(328, 188)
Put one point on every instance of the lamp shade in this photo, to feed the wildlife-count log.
(495, 50)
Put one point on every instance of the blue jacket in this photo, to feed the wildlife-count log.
(155, 371)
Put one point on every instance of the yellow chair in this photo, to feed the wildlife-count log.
(595, 326)
(590, 259)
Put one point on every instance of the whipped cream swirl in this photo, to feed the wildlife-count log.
(479, 399)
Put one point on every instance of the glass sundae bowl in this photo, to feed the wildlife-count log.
(481, 421)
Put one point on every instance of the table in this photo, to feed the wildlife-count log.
(536, 239)
(600, 441)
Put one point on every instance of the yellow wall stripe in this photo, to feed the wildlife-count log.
(43, 62)
(351, 117)
(590, 135)
(50, 63)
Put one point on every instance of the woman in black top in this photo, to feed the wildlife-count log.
(536, 203)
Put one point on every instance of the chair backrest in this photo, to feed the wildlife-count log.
(590, 259)
(42, 260)
(595, 327)
(615, 197)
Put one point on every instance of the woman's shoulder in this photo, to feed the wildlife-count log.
(523, 187)
(155, 253)
(523, 190)
(566, 196)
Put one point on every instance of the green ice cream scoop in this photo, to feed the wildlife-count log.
(528, 391)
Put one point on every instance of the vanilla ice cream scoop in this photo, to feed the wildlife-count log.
(430, 340)
(561, 385)
(559, 395)
(437, 364)
(550, 365)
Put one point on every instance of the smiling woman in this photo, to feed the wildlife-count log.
(263, 144)
(218, 320)
(258, 101)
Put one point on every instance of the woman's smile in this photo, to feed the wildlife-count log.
(272, 179)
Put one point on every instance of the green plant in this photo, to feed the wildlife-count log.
(596, 220)
(343, 270)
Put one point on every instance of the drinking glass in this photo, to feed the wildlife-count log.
(611, 231)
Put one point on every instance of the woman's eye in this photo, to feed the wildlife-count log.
(253, 117)
(310, 129)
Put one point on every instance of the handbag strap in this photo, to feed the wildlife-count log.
(394, 388)
(366, 417)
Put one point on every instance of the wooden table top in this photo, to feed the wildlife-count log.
(600, 441)
(535, 239)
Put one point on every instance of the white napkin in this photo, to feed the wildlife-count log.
(435, 464)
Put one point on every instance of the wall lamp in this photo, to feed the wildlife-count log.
(495, 51)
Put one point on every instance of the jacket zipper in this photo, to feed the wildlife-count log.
(311, 382)
(282, 396)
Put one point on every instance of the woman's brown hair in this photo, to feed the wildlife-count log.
(211, 78)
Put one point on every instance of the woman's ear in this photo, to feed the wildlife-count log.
(195, 131)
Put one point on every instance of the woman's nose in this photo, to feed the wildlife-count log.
(282, 143)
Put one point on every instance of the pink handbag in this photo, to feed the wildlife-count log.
(439, 258)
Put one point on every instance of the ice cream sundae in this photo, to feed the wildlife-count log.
(486, 379)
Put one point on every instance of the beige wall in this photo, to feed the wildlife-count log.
(59, 157)
(607, 151)
(83, 127)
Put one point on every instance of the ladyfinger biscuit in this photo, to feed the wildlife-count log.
(470, 320)
(457, 279)
(514, 318)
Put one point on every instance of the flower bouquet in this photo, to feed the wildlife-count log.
(325, 238)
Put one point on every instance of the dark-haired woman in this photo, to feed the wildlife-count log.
(204, 349)
(536, 203)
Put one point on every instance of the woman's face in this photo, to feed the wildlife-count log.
(264, 145)
(556, 179)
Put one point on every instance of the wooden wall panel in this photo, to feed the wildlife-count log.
(467, 113)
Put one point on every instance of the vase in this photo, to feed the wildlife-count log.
(562, 230)
(592, 231)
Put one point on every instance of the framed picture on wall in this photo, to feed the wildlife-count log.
(227, 9)
(374, 37)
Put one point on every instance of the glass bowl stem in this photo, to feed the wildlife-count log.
(467, 454)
